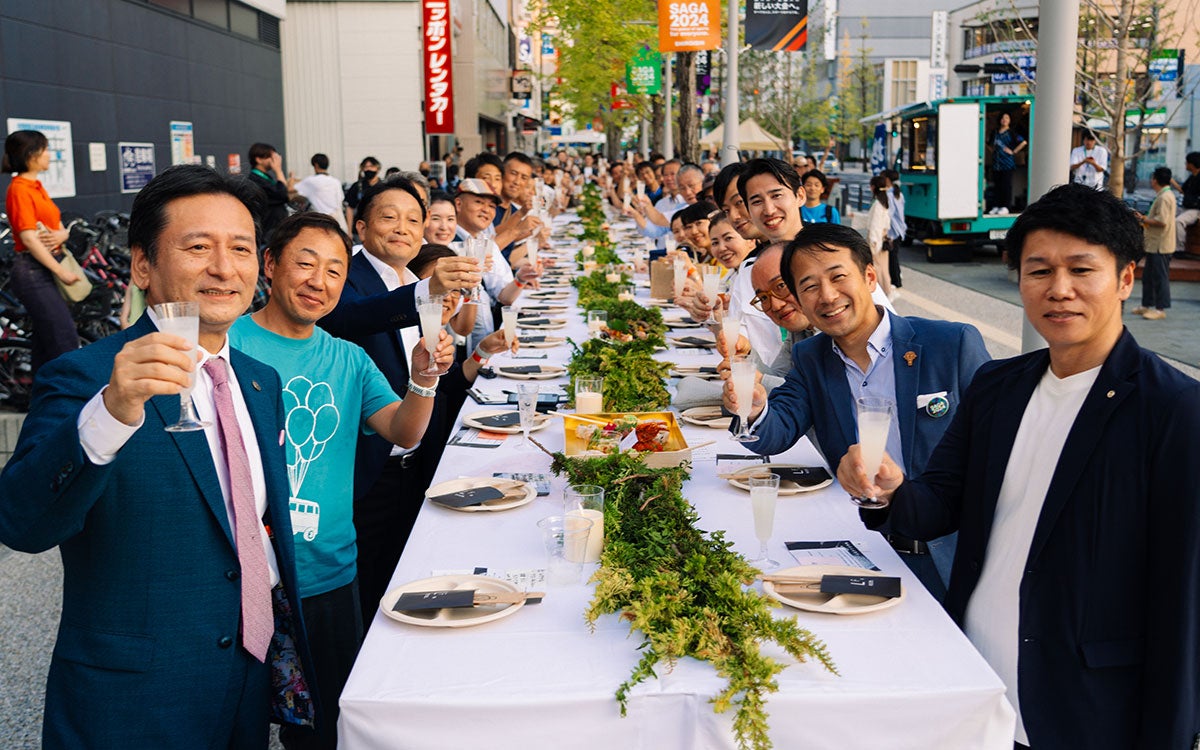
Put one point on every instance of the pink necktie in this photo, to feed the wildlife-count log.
(258, 619)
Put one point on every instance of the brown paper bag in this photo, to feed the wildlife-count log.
(662, 279)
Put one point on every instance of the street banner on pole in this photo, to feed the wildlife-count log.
(777, 25)
(689, 25)
(643, 74)
(439, 76)
(879, 149)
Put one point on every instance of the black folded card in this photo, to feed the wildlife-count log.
(869, 585)
(805, 476)
(521, 370)
(464, 498)
(417, 600)
(533, 321)
(507, 419)
(705, 370)
(533, 339)
(696, 341)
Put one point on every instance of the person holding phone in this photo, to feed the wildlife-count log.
(38, 236)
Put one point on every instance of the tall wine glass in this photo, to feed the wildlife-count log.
(742, 372)
(731, 328)
(764, 496)
(680, 269)
(475, 247)
(183, 319)
(527, 398)
(430, 311)
(508, 316)
(711, 276)
(874, 421)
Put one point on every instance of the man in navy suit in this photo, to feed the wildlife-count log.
(921, 366)
(1066, 472)
(160, 645)
(377, 311)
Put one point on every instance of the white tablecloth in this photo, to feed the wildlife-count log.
(539, 679)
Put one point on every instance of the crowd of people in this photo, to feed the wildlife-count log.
(1022, 493)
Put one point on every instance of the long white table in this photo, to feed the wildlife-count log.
(539, 679)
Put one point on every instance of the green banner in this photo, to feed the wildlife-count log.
(643, 74)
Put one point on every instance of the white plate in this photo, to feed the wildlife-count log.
(458, 617)
(540, 422)
(549, 372)
(785, 487)
(680, 324)
(527, 493)
(554, 324)
(549, 343)
(834, 604)
(706, 416)
(693, 371)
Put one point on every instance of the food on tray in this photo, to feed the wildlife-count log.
(652, 436)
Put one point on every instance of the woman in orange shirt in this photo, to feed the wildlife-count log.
(39, 234)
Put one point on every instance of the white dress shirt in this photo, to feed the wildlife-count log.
(102, 436)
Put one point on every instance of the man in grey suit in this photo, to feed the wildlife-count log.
(178, 570)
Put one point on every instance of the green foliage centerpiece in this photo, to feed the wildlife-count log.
(684, 589)
(595, 233)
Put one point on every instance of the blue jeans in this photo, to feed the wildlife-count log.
(53, 327)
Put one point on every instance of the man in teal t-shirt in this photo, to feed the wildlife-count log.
(331, 391)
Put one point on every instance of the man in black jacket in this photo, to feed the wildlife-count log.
(267, 173)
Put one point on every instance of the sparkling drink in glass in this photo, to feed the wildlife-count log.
(731, 328)
(430, 311)
(183, 319)
(508, 315)
(680, 268)
(874, 421)
(764, 495)
(527, 397)
(712, 286)
(742, 372)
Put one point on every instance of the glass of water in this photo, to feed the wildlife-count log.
(527, 398)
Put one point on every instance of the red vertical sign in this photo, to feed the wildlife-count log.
(439, 78)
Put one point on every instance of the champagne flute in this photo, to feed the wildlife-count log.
(731, 328)
(742, 372)
(508, 315)
(527, 398)
(477, 248)
(711, 276)
(680, 279)
(670, 243)
(430, 311)
(764, 496)
(874, 422)
(183, 319)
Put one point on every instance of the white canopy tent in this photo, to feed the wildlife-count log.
(751, 137)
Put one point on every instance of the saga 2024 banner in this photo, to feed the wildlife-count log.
(689, 26)
(778, 25)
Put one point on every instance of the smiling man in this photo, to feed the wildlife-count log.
(176, 596)
(921, 366)
(1065, 472)
(333, 392)
(773, 194)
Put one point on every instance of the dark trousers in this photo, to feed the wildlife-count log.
(893, 248)
(1002, 179)
(249, 694)
(383, 519)
(335, 633)
(53, 327)
(1156, 284)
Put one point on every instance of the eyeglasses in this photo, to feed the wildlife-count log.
(777, 289)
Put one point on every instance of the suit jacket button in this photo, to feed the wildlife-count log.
(225, 641)
(232, 575)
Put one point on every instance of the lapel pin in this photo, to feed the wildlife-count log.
(1111, 394)
(910, 357)
(255, 384)
(938, 406)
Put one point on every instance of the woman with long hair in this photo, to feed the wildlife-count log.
(38, 235)
(878, 222)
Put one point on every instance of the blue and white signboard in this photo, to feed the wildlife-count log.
(137, 165)
(59, 180)
(1026, 64)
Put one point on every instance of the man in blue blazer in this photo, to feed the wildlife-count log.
(922, 366)
(150, 649)
(1066, 472)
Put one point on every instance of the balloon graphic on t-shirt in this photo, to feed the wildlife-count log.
(312, 419)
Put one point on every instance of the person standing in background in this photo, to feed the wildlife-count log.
(878, 222)
(897, 229)
(1006, 144)
(1089, 162)
(1158, 240)
(323, 190)
(1190, 189)
(38, 236)
(368, 175)
(268, 175)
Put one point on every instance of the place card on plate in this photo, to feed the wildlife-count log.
(473, 496)
(521, 370)
(805, 476)
(695, 341)
(507, 419)
(533, 321)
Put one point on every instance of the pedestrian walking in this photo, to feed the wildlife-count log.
(1158, 239)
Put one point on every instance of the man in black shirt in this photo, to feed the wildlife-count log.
(368, 175)
(1190, 189)
(267, 173)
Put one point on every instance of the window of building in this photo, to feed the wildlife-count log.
(243, 20)
(904, 82)
(215, 12)
(179, 6)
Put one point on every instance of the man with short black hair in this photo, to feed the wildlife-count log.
(1089, 162)
(1190, 190)
(368, 176)
(323, 190)
(1065, 473)
(1158, 234)
(266, 172)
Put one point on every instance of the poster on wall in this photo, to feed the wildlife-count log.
(689, 25)
(777, 25)
(59, 180)
(137, 165)
(183, 144)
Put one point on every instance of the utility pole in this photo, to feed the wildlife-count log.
(668, 92)
(729, 147)
(1050, 152)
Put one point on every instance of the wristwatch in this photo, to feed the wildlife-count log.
(422, 390)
